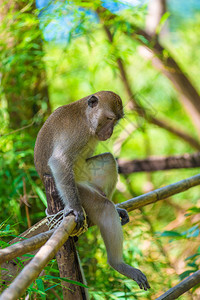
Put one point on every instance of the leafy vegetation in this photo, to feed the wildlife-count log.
(40, 72)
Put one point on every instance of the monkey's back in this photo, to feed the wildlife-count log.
(62, 123)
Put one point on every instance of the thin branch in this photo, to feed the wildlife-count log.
(33, 269)
(160, 194)
(148, 54)
(156, 9)
(25, 199)
(140, 110)
(17, 130)
(182, 287)
(159, 163)
(170, 68)
(176, 131)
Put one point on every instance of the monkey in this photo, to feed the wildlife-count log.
(64, 148)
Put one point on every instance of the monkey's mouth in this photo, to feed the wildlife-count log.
(102, 136)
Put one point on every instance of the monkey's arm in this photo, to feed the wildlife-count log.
(62, 171)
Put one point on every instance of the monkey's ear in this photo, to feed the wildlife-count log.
(93, 101)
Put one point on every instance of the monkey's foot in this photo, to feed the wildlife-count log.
(80, 219)
(140, 278)
(123, 215)
(130, 272)
(78, 213)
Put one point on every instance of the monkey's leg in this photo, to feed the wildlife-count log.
(111, 232)
(103, 213)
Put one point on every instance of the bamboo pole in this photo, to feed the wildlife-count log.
(25, 246)
(160, 194)
(43, 256)
(182, 287)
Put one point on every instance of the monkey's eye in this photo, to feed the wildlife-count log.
(110, 119)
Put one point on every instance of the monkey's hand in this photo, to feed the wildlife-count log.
(78, 213)
(140, 278)
(123, 215)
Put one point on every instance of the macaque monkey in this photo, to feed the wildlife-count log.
(64, 147)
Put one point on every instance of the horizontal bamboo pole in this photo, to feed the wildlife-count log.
(24, 246)
(182, 287)
(160, 194)
(43, 256)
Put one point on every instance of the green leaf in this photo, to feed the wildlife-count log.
(65, 279)
(185, 274)
(171, 234)
(143, 39)
(194, 210)
(40, 286)
(53, 286)
(31, 289)
(3, 244)
(163, 19)
(192, 256)
(41, 195)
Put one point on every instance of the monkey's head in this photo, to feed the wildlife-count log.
(105, 109)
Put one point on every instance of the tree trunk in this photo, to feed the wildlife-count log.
(67, 257)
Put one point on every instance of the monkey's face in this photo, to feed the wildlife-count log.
(106, 110)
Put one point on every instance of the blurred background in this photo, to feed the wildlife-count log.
(55, 52)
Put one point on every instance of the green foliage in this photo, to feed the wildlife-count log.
(189, 235)
(163, 240)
